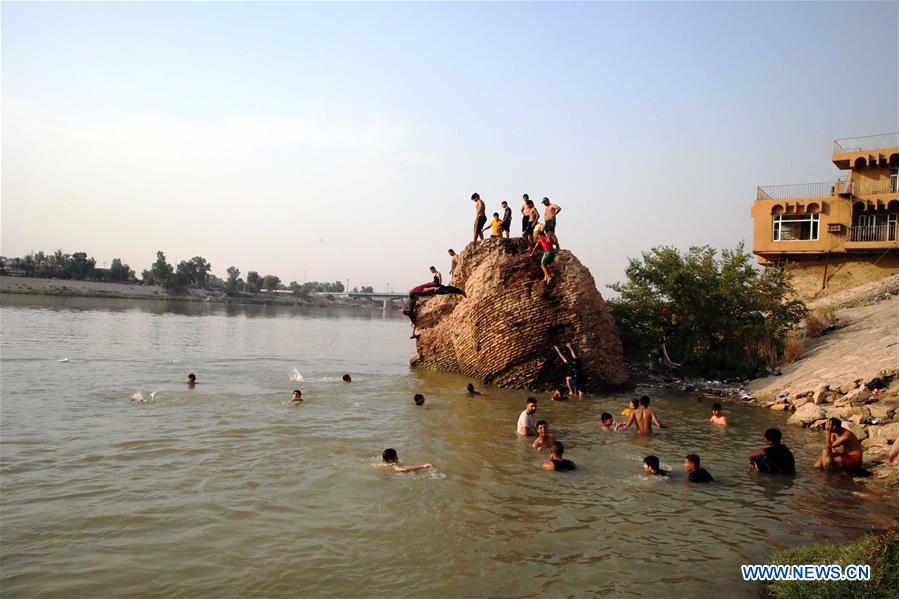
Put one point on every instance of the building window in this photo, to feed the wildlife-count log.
(894, 180)
(796, 227)
(874, 227)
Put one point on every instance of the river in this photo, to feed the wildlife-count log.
(119, 480)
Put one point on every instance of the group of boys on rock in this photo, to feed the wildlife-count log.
(539, 236)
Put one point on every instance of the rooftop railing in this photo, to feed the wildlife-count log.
(867, 142)
(795, 191)
(865, 187)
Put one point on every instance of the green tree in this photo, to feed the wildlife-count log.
(160, 273)
(231, 285)
(119, 272)
(270, 282)
(80, 266)
(201, 269)
(717, 316)
(296, 288)
(254, 282)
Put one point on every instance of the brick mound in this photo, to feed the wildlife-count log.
(504, 331)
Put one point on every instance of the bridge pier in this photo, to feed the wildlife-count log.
(386, 304)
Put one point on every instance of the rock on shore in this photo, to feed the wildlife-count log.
(504, 331)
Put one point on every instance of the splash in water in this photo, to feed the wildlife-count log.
(295, 376)
(63, 360)
(139, 397)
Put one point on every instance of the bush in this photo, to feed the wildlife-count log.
(881, 552)
(814, 325)
(715, 314)
(794, 347)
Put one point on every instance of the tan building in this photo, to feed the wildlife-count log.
(835, 234)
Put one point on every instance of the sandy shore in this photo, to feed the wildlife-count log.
(31, 285)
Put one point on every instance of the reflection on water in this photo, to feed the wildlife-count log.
(222, 490)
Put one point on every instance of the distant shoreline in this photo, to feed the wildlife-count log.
(95, 289)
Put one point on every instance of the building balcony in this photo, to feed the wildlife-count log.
(866, 143)
(798, 191)
(862, 188)
(870, 150)
(872, 237)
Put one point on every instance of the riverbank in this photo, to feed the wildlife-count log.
(70, 288)
(851, 373)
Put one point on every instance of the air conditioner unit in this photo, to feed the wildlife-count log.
(834, 228)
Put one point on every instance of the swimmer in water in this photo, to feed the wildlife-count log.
(556, 461)
(544, 439)
(526, 426)
(392, 461)
(191, 380)
(471, 391)
(347, 378)
(651, 466)
(633, 405)
(644, 418)
(717, 417)
(296, 398)
(559, 395)
(608, 424)
(419, 399)
(696, 474)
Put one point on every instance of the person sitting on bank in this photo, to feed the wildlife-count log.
(842, 449)
(419, 399)
(495, 226)
(774, 459)
(391, 460)
(556, 461)
(347, 378)
(559, 395)
(717, 416)
(191, 380)
(892, 457)
(526, 426)
(544, 440)
(549, 256)
(651, 466)
(296, 398)
(471, 391)
(438, 278)
(695, 473)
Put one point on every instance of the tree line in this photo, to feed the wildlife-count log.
(193, 273)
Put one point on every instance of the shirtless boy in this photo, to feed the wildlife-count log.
(544, 439)
(532, 217)
(717, 417)
(608, 424)
(644, 418)
(454, 264)
(549, 221)
(842, 449)
(191, 381)
(296, 398)
(480, 217)
(392, 461)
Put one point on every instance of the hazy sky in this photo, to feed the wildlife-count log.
(335, 141)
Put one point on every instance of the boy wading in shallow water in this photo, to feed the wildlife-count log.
(774, 459)
(696, 474)
(556, 461)
(392, 461)
(544, 439)
(549, 256)
(717, 416)
(644, 418)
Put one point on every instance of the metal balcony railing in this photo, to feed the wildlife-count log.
(867, 188)
(868, 142)
(796, 191)
(873, 233)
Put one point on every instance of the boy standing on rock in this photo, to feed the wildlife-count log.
(480, 216)
(507, 219)
(549, 255)
(549, 221)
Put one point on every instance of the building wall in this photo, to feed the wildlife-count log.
(841, 271)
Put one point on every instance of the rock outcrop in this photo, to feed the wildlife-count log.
(503, 332)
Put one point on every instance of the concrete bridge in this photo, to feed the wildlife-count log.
(377, 295)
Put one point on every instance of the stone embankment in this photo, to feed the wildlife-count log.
(851, 373)
(503, 332)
